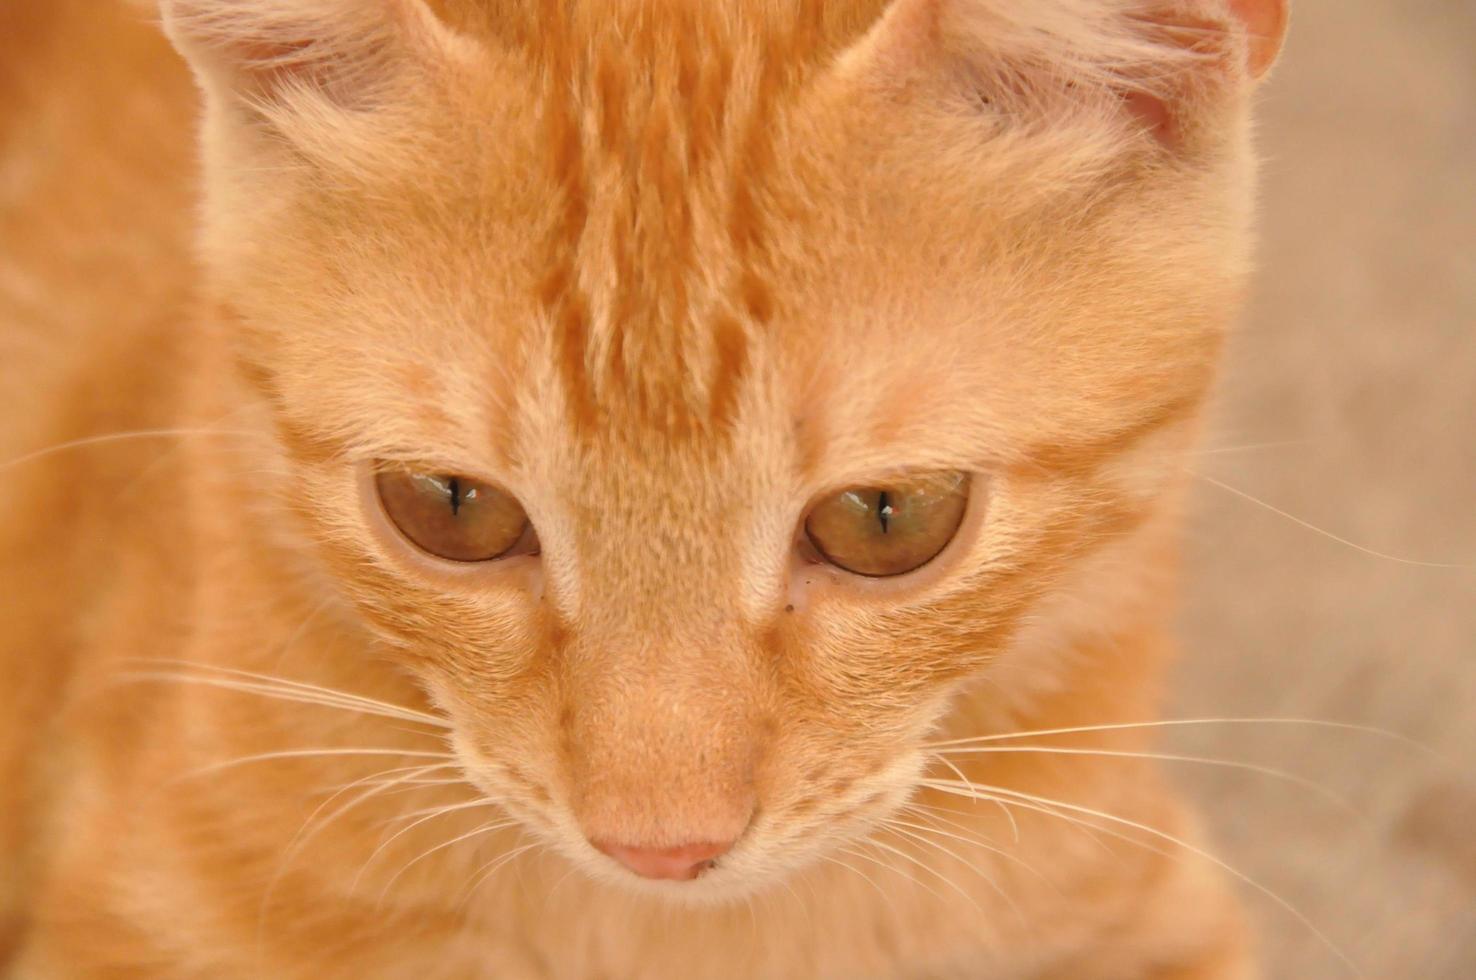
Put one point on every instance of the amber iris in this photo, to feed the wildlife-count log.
(455, 517)
(891, 528)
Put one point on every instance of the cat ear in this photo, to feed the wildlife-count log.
(1161, 63)
(1264, 22)
(262, 53)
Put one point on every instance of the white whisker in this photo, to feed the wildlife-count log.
(906, 875)
(1328, 534)
(1282, 774)
(1192, 722)
(900, 827)
(1246, 448)
(302, 628)
(423, 815)
(1014, 827)
(411, 777)
(309, 753)
(97, 440)
(832, 859)
(485, 828)
(486, 871)
(310, 829)
(873, 842)
(249, 682)
(1087, 831)
(969, 838)
(1046, 805)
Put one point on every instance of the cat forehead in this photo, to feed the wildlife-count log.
(650, 304)
(635, 225)
(641, 231)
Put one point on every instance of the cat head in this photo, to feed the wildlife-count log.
(695, 400)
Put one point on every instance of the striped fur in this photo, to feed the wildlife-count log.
(666, 272)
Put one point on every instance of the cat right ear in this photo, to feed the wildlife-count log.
(1168, 66)
(265, 54)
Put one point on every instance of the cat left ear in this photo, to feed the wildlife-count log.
(1264, 22)
(1161, 62)
(263, 52)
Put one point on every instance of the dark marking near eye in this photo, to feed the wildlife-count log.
(789, 608)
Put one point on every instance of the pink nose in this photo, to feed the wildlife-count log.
(681, 863)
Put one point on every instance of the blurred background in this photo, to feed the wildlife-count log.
(1349, 401)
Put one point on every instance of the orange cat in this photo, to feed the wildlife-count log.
(608, 486)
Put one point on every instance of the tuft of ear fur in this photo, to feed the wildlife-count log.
(1159, 63)
(263, 54)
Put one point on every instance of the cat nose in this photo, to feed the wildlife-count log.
(681, 863)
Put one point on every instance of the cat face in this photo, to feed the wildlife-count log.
(694, 405)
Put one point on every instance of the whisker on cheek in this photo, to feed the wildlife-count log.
(1054, 808)
(892, 867)
(1195, 722)
(1290, 777)
(919, 862)
(933, 815)
(265, 685)
(942, 757)
(485, 828)
(483, 874)
(918, 834)
(424, 816)
(312, 825)
(832, 859)
(307, 753)
(117, 437)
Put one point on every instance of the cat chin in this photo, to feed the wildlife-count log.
(714, 889)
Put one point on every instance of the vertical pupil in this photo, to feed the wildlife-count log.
(454, 485)
(883, 509)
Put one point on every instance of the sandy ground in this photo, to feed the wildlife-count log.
(1354, 378)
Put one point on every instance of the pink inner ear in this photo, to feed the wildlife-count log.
(1155, 116)
(268, 66)
(266, 53)
(1263, 21)
(334, 46)
(1265, 25)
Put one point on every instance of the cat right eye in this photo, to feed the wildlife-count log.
(455, 517)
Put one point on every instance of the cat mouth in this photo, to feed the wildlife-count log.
(769, 841)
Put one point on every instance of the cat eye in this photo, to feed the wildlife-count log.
(454, 517)
(891, 528)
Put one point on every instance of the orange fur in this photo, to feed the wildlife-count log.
(666, 272)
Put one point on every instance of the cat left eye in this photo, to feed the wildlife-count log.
(455, 517)
(891, 528)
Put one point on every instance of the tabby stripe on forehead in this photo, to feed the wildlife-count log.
(730, 366)
(655, 364)
(568, 310)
